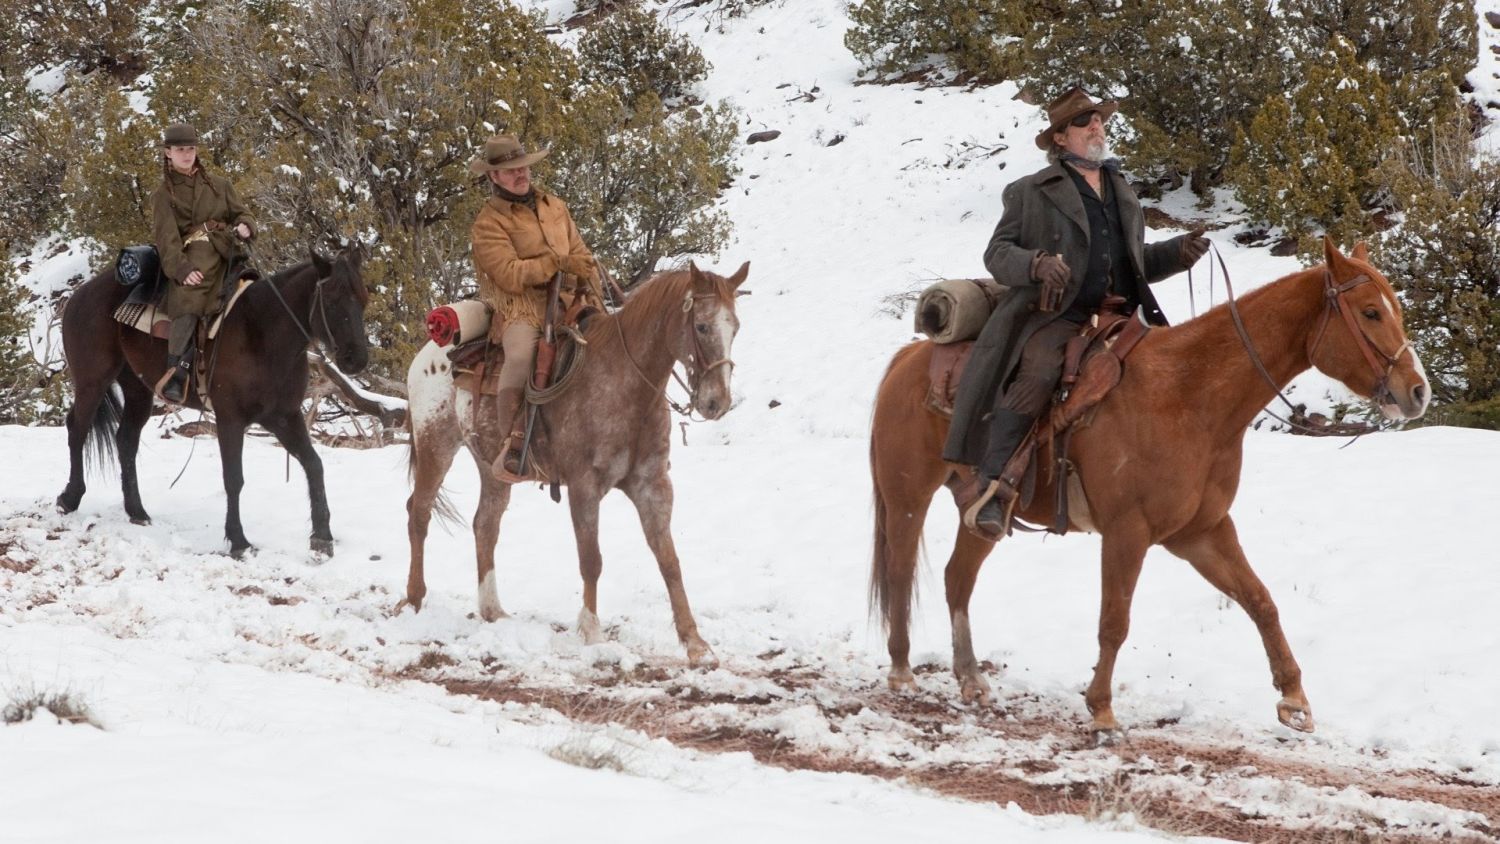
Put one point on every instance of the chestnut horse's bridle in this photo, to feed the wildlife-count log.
(1334, 298)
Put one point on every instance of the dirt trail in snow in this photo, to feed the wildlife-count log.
(793, 710)
(1041, 758)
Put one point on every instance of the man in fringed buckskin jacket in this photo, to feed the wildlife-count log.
(522, 236)
(1071, 235)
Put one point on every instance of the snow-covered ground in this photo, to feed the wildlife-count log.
(271, 698)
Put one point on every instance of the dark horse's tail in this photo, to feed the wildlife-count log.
(100, 449)
(885, 596)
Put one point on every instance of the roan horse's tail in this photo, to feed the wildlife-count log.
(885, 596)
(442, 506)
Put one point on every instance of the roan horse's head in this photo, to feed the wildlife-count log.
(338, 311)
(705, 347)
(1360, 339)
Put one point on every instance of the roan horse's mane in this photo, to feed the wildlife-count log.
(660, 295)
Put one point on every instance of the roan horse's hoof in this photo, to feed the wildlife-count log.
(700, 655)
(901, 680)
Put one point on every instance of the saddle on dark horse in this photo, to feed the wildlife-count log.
(144, 309)
(1093, 365)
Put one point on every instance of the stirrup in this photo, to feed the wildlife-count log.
(171, 378)
(510, 454)
(1008, 495)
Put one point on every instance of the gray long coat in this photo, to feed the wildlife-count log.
(1043, 211)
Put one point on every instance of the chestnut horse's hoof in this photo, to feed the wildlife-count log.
(700, 655)
(901, 680)
(1108, 737)
(1295, 714)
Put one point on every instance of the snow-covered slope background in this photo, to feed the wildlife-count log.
(278, 699)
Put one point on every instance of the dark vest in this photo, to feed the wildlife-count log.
(1109, 269)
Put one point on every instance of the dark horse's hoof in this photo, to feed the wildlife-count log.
(67, 503)
(240, 552)
(321, 546)
(140, 520)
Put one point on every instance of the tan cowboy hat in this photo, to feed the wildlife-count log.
(1068, 106)
(504, 152)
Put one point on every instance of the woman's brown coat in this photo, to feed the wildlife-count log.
(192, 223)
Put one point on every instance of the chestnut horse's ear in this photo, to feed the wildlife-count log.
(739, 275)
(1361, 252)
(1331, 254)
(319, 263)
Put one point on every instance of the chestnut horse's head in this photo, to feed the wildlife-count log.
(1360, 339)
(705, 347)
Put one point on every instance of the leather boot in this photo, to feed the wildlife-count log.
(508, 413)
(173, 386)
(991, 513)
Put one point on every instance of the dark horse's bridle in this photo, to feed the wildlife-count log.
(317, 306)
(1334, 299)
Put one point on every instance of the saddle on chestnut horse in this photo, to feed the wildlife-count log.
(1093, 364)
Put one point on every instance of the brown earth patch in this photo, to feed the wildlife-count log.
(666, 708)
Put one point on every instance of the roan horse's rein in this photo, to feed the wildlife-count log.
(694, 375)
(1334, 300)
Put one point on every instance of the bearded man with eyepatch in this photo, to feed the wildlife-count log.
(1071, 240)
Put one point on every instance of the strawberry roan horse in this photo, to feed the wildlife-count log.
(609, 430)
(1158, 465)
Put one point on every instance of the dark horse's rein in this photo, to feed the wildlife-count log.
(1334, 294)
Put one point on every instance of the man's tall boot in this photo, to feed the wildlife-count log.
(173, 386)
(508, 413)
(990, 514)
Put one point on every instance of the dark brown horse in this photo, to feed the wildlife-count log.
(609, 430)
(259, 375)
(1158, 465)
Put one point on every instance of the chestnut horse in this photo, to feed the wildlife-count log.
(609, 430)
(258, 369)
(1158, 465)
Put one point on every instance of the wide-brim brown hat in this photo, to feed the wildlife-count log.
(504, 152)
(180, 135)
(1068, 106)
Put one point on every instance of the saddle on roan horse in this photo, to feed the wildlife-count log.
(139, 268)
(467, 327)
(1093, 364)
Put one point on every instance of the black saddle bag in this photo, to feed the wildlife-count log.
(140, 267)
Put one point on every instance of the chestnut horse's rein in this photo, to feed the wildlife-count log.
(1333, 301)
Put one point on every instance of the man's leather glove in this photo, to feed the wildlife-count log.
(1052, 274)
(1194, 246)
(550, 265)
(581, 266)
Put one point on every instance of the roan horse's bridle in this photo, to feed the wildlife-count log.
(1334, 300)
(695, 374)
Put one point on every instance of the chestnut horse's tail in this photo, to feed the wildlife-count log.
(887, 597)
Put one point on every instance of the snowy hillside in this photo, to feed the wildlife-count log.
(278, 699)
